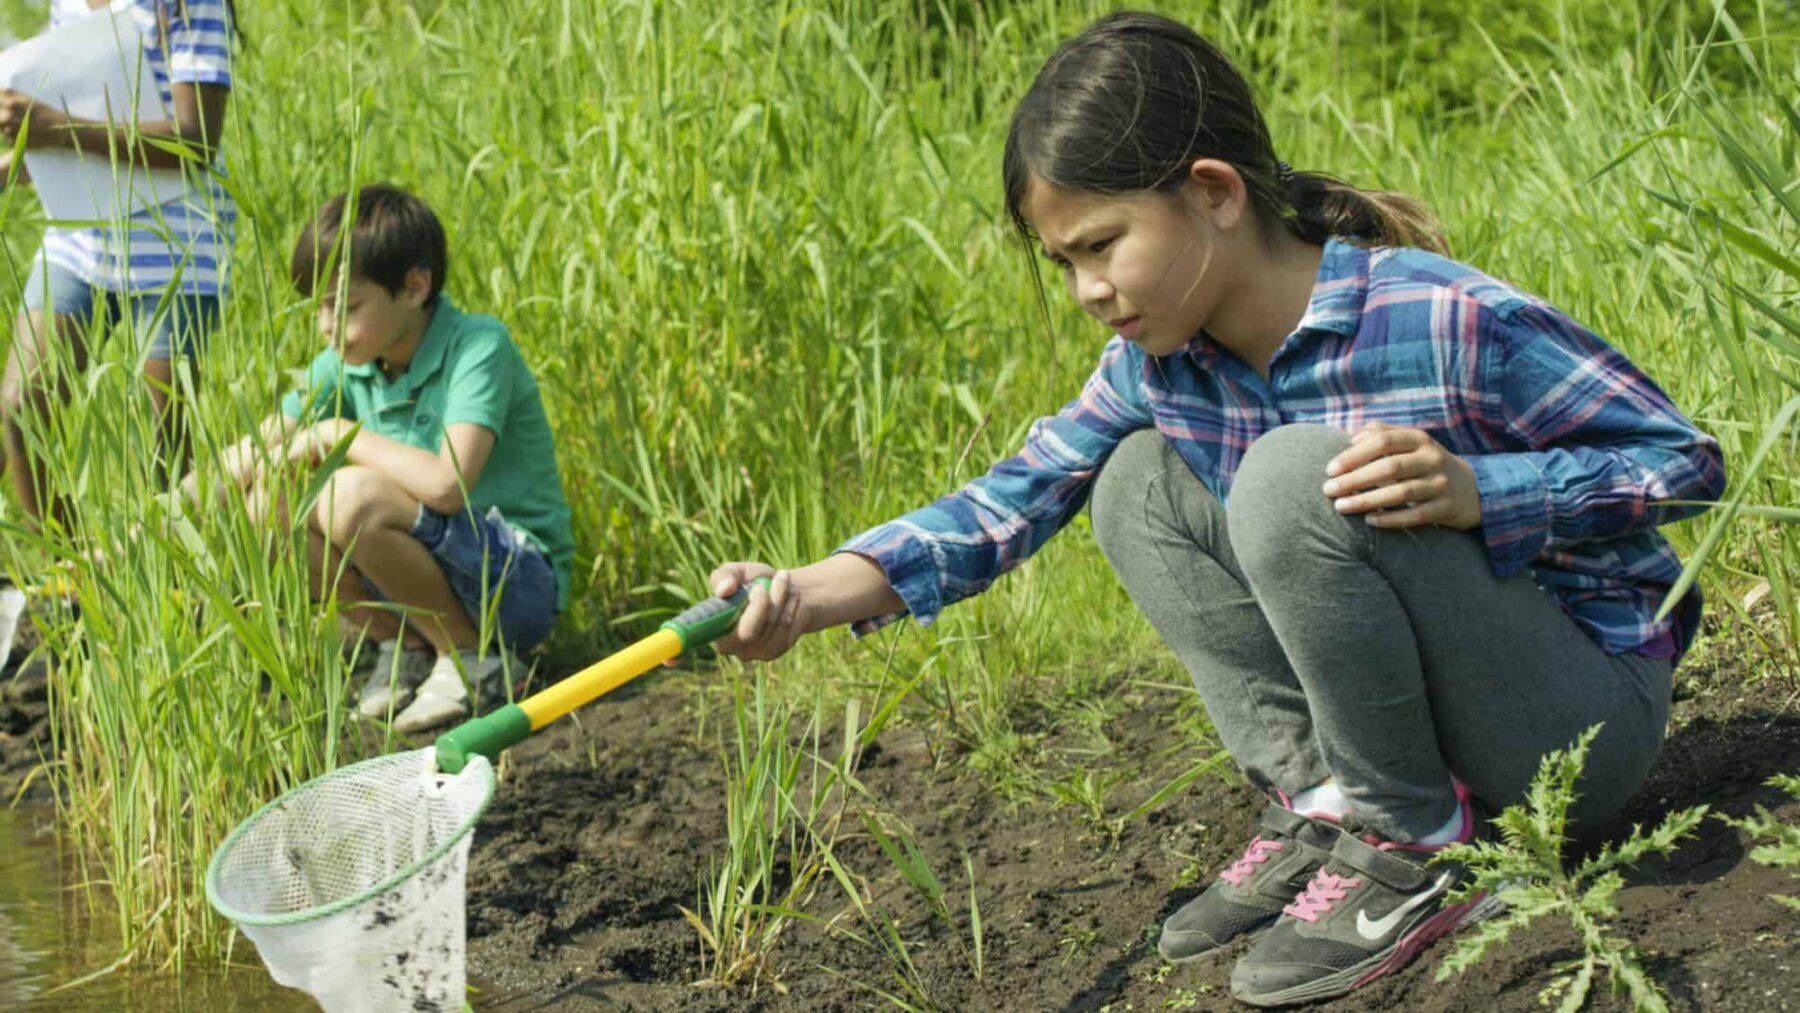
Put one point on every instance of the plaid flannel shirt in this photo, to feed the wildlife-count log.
(1576, 452)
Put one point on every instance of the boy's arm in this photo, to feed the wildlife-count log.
(240, 462)
(440, 481)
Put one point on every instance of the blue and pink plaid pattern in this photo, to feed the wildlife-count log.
(1576, 452)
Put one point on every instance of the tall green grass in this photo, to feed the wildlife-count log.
(784, 800)
(758, 261)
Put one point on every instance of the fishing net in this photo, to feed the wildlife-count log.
(351, 885)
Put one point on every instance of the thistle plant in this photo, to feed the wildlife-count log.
(1782, 850)
(1526, 867)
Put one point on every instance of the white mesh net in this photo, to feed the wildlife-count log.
(351, 885)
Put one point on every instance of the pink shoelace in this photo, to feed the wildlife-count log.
(1322, 891)
(1256, 854)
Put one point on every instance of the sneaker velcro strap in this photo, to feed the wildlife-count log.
(1279, 819)
(1403, 874)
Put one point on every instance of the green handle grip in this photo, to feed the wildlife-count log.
(712, 618)
(490, 734)
(486, 736)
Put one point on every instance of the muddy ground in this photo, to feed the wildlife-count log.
(601, 834)
(602, 830)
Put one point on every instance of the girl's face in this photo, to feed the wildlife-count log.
(1138, 262)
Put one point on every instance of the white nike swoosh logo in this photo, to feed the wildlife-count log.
(1373, 929)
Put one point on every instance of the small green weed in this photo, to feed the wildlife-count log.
(1077, 942)
(1783, 848)
(1527, 870)
(782, 813)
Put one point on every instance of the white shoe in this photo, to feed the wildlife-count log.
(395, 674)
(444, 695)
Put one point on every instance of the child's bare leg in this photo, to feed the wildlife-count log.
(367, 515)
(328, 571)
(359, 614)
(31, 389)
(171, 415)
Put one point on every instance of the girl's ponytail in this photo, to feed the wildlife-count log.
(1324, 206)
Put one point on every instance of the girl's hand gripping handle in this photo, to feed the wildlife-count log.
(712, 618)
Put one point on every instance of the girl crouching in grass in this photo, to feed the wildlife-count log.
(1396, 517)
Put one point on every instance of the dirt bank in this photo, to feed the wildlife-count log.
(602, 832)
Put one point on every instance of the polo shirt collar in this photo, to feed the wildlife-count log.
(428, 358)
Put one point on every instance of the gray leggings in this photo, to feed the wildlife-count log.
(1387, 658)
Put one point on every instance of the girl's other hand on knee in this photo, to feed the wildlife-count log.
(1400, 477)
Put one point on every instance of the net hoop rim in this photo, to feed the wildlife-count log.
(325, 910)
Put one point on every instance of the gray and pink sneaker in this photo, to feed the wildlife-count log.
(1372, 908)
(1249, 894)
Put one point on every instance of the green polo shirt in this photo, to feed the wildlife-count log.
(466, 369)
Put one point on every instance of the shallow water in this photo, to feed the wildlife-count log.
(48, 937)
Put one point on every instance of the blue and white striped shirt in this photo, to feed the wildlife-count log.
(189, 238)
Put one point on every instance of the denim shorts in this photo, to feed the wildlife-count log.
(178, 322)
(489, 562)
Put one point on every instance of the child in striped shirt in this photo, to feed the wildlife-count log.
(1397, 518)
(163, 268)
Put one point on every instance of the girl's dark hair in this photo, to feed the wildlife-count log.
(1130, 103)
(391, 233)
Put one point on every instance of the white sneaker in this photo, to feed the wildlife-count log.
(396, 672)
(444, 695)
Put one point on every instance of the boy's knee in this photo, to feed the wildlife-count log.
(355, 498)
(24, 379)
(1117, 500)
(23, 394)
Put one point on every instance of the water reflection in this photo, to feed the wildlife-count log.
(18, 982)
(27, 904)
(48, 937)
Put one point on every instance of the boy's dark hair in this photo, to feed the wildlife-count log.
(1132, 101)
(391, 233)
